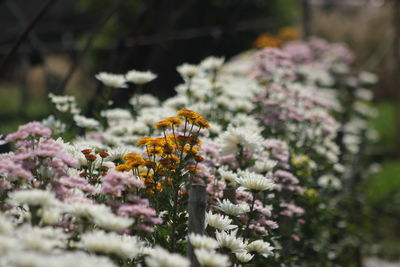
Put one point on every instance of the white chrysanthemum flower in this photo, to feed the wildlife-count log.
(219, 221)
(84, 122)
(364, 94)
(255, 182)
(212, 63)
(368, 77)
(6, 226)
(228, 176)
(9, 244)
(18, 215)
(145, 251)
(43, 239)
(61, 99)
(235, 139)
(64, 103)
(150, 116)
(145, 100)
(109, 164)
(201, 241)
(264, 165)
(100, 215)
(112, 222)
(140, 77)
(117, 153)
(56, 126)
(116, 114)
(329, 180)
(79, 258)
(339, 167)
(177, 102)
(260, 247)
(244, 257)
(159, 257)
(242, 105)
(50, 216)
(188, 71)
(111, 243)
(232, 209)
(215, 128)
(211, 259)
(230, 241)
(111, 140)
(246, 121)
(24, 258)
(33, 197)
(2, 141)
(112, 80)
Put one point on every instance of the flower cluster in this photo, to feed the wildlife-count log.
(275, 148)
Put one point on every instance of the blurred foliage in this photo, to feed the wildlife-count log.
(140, 18)
(202, 13)
(383, 189)
(12, 115)
(385, 125)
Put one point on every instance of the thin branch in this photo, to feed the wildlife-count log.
(26, 32)
(23, 21)
(89, 42)
(176, 35)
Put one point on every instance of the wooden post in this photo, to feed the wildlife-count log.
(230, 194)
(197, 214)
(395, 80)
(306, 18)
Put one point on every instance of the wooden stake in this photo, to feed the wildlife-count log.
(230, 194)
(197, 214)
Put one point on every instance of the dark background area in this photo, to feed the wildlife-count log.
(156, 35)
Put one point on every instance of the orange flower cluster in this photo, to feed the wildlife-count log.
(171, 156)
(268, 40)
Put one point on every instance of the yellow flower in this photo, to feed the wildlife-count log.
(135, 163)
(174, 121)
(311, 193)
(192, 169)
(162, 124)
(159, 187)
(191, 150)
(123, 168)
(132, 157)
(170, 161)
(288, 33)
(168, 122)
(267, 40)
(143, 141)
(188, 114)
(156, 141)
(168, 180)
(155, 150)
(202, 123)
(146, 175)
(194, 140)
(150, 164)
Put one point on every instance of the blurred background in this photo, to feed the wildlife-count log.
(71, 40)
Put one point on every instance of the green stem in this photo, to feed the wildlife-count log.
(189, 91)
(250, 216)
(172, 235)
